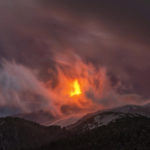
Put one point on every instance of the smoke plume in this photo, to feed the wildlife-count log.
(45, 46)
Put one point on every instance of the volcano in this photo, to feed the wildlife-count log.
(74, 75)
(97, 129)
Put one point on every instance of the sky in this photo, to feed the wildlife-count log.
(46, 44)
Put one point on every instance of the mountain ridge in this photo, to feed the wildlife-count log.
(93, 129)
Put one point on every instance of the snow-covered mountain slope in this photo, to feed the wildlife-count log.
(47, 119)
(134, 109)
(104, 117)
(65, 121)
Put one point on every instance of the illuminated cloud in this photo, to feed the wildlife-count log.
(48, 44)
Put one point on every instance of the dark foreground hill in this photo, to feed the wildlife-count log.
(17, 134)
(128, 133)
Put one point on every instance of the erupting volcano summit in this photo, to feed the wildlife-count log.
(76, 90)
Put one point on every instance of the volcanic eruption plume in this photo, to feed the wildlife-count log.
(80, 85)
(75, 87)
(60, 58)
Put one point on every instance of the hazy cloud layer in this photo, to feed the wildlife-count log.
(106, 34)
(21, 90)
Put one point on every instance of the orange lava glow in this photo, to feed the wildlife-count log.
(76, 90)
(79, 86)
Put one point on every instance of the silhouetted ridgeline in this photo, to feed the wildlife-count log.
(129, 133)
(126, 133)
(17, 134)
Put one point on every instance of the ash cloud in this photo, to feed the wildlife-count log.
(111, 34)
(21, 91)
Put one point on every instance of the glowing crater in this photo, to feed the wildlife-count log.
(76, 89)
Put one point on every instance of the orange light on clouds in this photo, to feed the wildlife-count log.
(80, 86)
(76, 90)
